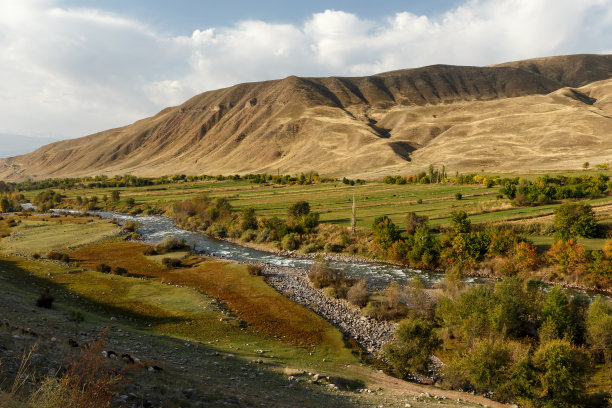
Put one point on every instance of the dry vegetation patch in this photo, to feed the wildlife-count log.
(250, 298)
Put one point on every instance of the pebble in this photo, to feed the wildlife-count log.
(293, 282)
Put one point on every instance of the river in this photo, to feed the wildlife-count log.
(153, 229)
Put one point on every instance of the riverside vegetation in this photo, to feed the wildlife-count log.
(514, 340)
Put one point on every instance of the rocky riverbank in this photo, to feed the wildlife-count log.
(481, 273)
(369, 333)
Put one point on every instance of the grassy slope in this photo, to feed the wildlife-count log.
(168, 314)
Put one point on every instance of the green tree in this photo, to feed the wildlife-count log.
(385, 232)
(467, 317)
(5, 205)
(248, 219)
(414, 221)
(560, 318)
(115, 195)
(513, 308)
(561, 372)
(411, 351)
(461, 221)
(599, 328)
(299, 209)
(487, 364)
(424, 247)
(573, 220)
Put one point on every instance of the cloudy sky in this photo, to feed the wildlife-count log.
(70, 68)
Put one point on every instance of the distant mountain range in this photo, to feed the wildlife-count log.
(545, 113)
(13, 145)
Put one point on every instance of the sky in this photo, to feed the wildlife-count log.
(71, 68)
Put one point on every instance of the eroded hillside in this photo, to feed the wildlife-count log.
(522, 115)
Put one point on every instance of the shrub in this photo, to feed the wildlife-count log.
(458, 196)
(291, 242)
(358, 294)
(330, 291)
(36, 256)
(88, 381)
(421, 305)
(119, 270)
(321, 275)
(58, 256)
(172, 263)
(129, 226)
(103, 268)
(217, 230)
(249, 235)
(503, 241)
(149, 251)
(45, 300)
(467, 248)
(607, 249)
(170, 243)
(310, 248)
(467, 317)
(330, 247)
(399, 251)
(391, 307)
(415, 341)
(254, 270)
(266, 235)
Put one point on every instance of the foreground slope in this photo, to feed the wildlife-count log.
(520, 115)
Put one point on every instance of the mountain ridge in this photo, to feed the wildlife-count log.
(394, 121)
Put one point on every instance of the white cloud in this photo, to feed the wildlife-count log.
(71, 72)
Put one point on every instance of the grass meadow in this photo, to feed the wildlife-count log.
(334, 200)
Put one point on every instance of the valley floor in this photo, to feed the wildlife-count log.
(202, 326)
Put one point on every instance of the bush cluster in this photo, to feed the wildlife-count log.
(171, 263)
(254, 270)
(58, 256)
(516, 341)
(45, 300)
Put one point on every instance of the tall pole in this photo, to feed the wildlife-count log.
(353, 215)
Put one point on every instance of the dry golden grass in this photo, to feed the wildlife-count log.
(469, 118)
(128, 255)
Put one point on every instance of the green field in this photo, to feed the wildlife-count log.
(334, 200)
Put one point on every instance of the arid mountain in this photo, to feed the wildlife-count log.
(514, 116)
(570, 70)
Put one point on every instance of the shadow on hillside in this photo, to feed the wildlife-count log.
(272, 388)
(402, 149)
(69, 299)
